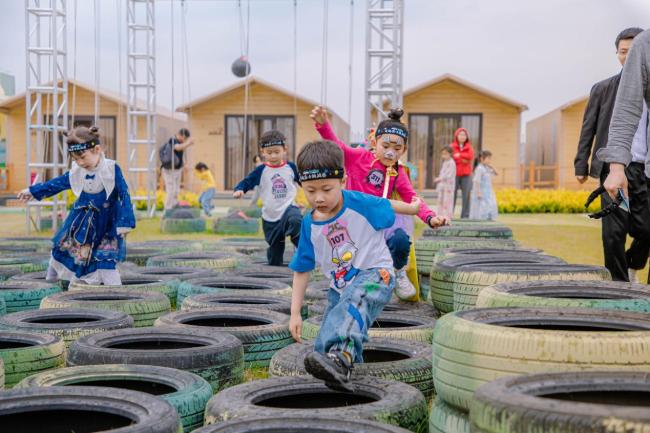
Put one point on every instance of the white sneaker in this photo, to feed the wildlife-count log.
(632, 276)
(403, 287)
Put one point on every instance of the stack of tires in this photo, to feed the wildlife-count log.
(236, 223)
(183, 221)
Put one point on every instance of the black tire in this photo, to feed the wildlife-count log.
(165, 285)
(294, 424)
(317, 291)
(402, 360)
(229, 226)
(176, 273)
(144, 307)
(472, 231)
(182, 212)
(265, 272)
(8, 272)
(83, 409)
(474, 347)
(281, 304)
(25, 295)
(175, 246)
(241, 245)
(17, 249)
(26, 263)
(375, 399)
(182, 225)
(219, 262)
(564, 402)
(217, 357)
(39, 277)
(447, 253)
(232, 285)
(41, 244)
(139, 256)
(67, 323)
(415, 308)
(261, 332)
(186, 392)
(387, 325)
(27, 353)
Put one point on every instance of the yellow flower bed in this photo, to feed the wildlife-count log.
(544, 201)
(189, 198)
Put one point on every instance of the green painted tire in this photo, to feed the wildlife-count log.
(217, 261)
(448, 253)
(3, 307)
(27, 353)
(225, 226)
(217, 357)
(39, 277)
(187, 392)
(7, 273)
(262, 332)
(194, 212)
(175, 246)
(2, 374)
(305, 423)
(28, 263)
(232, 285)
(266, 272)
(144, 307)
(241, 245)
(168, 286)
(447, 419)
(207, 301)
(40, 244)
(412, 308)
(139, 256)
(472, 231)
(474, 347)
(387, 325)
(180, 225)
(69, 324)
(25, 295)
(402, 360)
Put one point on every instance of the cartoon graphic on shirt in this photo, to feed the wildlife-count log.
(279, 187)
(375, 178)
(343, 253)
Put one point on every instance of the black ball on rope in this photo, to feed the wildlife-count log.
(241, 67)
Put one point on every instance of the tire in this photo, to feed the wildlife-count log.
(192, 212)
(17, 249)
(609, 295)
(175, 246)
(2, 374)
(25, 295)
(395, 325)
(266, 272)
(219, 262)
(139, 256)
(414, 308)
(176, 273)
(471, 348)
(447, 419)
(295, 424)
(375, 399)
(182, 225)
(41, 244)
(280, 304)
(447, 253)
(232, 285)
(8, 272)
(470, 280)
(144, 307)
(316, 292)
(472, 231)
(246, 246)
(27, 353)
(85, 409)
(217, 357)
(3, 307)
(39, 277)
(563, 402)
(443, 278)
(165, 285)
(67, 323)
(25, 263)
(186, 392)
(225, 226)
(402, 360)
(261, 332)
(425, 288)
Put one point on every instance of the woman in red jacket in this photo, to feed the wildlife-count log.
(464, 157)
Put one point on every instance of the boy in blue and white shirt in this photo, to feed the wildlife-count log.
(277, 182)
(344, 236)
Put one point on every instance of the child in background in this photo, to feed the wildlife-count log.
(378, 173)
(343, 234)
(208, 189)
(91, 241)
(484, 201)
(446, 183)
(277, 182)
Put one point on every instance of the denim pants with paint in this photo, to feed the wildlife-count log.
(349, 315)
(206, 200)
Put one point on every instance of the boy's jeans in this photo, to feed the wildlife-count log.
(206, 200)
(349, 315)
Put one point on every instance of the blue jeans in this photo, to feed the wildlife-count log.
(206, 200)
(400, 246)
(349, 315)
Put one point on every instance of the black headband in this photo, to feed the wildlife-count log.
(265, 144)
(321, 173)
(402, 132)
(78, 147)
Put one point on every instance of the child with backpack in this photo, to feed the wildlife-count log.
(91, 241)
(344, 236)
(379, 173)
(277, 182)
(171, 164)
(208, 189)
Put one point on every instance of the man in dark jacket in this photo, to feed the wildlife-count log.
(615, 228)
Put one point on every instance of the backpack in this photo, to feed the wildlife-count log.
(167, 153)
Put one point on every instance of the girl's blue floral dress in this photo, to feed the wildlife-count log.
(90, 243)
(484, 208)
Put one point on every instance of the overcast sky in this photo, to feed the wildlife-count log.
(540, 52)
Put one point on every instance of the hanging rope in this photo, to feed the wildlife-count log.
(350, 60)
(323, 88)
(246, 33)
(97, 60)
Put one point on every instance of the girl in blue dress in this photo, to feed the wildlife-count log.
(483, 202)
(92, 240)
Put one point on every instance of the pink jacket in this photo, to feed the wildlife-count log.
(366, 173)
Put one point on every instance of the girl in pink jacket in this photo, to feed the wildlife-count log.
(380, 174)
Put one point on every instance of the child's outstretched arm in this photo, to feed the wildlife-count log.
(299, 287)
(46, 189)
(404, 208)
(249, 182)
(407, 193)
(324, 128)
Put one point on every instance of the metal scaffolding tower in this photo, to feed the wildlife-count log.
(141, 96)
(384, 67)
(46, 101)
